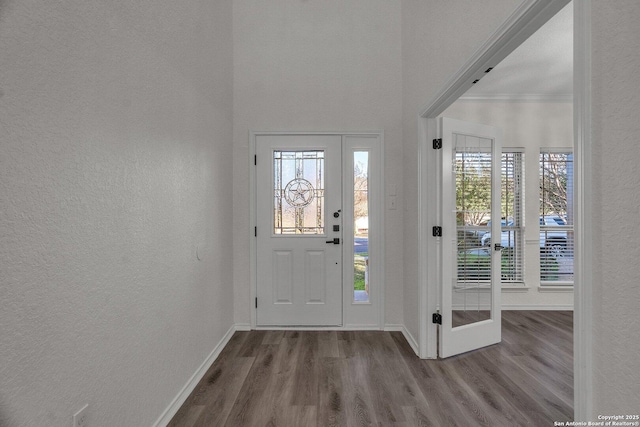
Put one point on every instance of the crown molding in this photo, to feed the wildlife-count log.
(518, 97)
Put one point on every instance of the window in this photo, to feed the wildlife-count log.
(361, 226)
(473, 209)
(556, 217)
(473, 201)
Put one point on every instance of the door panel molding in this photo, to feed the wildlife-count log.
(283, 274)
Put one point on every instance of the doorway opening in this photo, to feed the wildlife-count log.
(525, 21)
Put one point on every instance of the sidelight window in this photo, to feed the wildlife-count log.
(361, 226)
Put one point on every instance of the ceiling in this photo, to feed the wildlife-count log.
(542, 67)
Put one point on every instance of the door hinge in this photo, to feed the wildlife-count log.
(437, 143)
(255, 159)
(256, 302)
(437, 231)
(437, 318)
(255, 231)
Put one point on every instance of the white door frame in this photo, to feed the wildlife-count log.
(375, 271)
(527, 19)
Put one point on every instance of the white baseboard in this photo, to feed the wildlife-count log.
(243, 327)
(389, 327)
(360, 327)
(411, 340)
(393, 327)
(559, 307)
(182, 396)
(347, 327)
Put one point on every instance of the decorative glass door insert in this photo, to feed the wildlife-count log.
(298, 192)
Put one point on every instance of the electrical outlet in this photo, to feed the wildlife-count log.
(80, 417)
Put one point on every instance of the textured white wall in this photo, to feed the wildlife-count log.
(532, 126)
(115, 163)
(324, 65)
(437, 39)
(616, 204)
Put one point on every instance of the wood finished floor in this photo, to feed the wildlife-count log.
(329, 378)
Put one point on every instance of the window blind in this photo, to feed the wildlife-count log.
(473, 206)
(512, 205)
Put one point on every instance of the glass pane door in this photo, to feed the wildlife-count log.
(470, 293)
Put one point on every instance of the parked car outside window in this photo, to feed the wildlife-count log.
(549, 240)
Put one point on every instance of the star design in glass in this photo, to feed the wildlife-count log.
(299, 192)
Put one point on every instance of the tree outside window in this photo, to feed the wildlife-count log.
(556, 217)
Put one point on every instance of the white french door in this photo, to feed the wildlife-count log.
(470, 293)
(299, 230)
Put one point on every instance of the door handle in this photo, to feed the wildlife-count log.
(335, 241)
(498, 247)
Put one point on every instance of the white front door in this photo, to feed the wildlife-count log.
(471, 206)
(299, 230)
